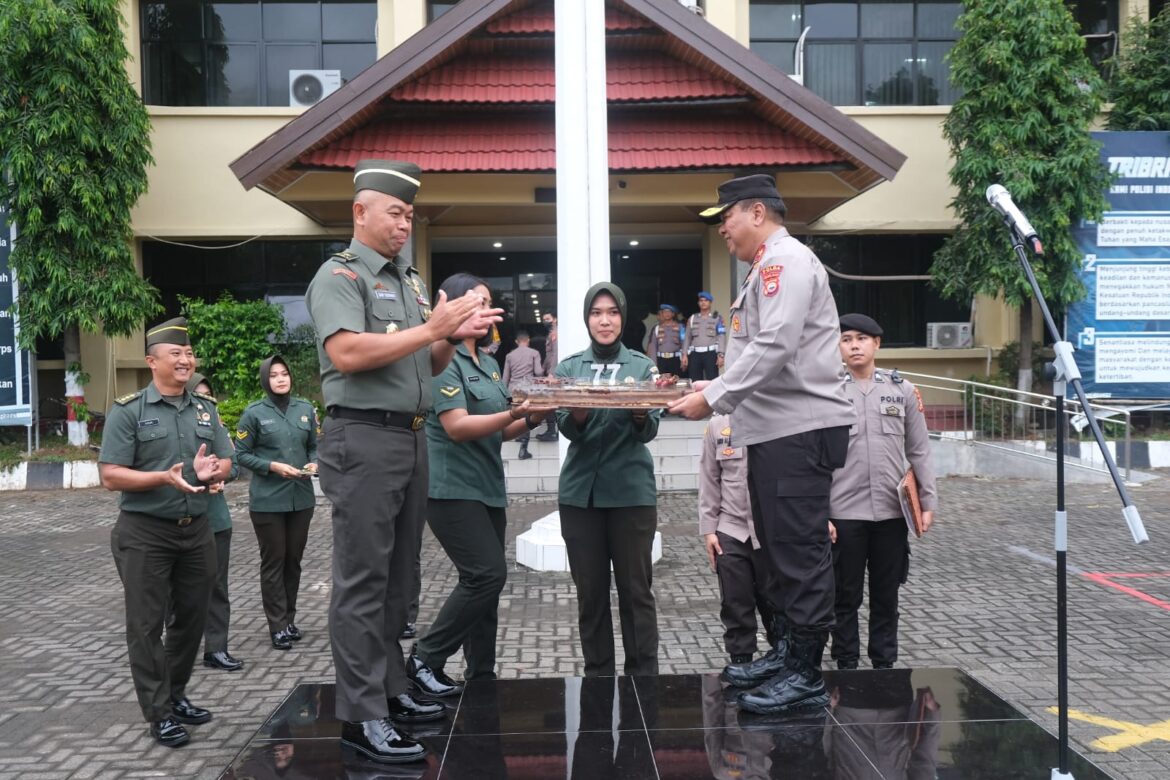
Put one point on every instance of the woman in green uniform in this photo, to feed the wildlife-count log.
(277, 440)
(608, 496)
(469, 421)
(219, 607)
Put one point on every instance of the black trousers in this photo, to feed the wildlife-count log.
(669, 365)
(282, 537)
(472, 535)
(595, 538)
(703, 365)
(743, 581)
(376, 477)
(219, 605)
(157, 560)
(789, 480)
(879, 547)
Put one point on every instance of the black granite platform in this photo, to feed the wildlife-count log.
(909, 724)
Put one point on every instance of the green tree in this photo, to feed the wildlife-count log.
(1029, 95)
(74, 146)
(1141, 83)
(231, 338)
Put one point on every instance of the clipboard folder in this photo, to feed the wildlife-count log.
(911, 507)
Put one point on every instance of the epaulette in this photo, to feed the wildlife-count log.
(345, 256)
(127, 398)
(205, 396)
(896, 378)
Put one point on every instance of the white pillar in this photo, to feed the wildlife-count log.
(582, 164)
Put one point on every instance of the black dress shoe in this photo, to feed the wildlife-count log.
(169, 732)
(404, 708)
(380, 741)
(222, 659)
(430, 682)
(281, 640)
(184, 711)
(548, 436)
(410, 632)
(293, 633)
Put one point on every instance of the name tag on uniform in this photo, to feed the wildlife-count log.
(386, 295)
(267, 422)
(473, 378)
(203, 423)
(148, 423)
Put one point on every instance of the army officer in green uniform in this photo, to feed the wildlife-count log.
(277, 438)
(608, 496)
(379, 343)
(162, 446)
(468, 424)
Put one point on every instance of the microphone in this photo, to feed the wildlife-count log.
(1001, 200)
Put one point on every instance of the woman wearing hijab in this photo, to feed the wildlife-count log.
(219, 607)
(467, 425)
(608, 496)
(277, 440)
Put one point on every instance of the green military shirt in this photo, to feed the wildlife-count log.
(360, 291)
(608, 461)
(146, 432)
(218, 513)
(470, 470)
(266, 434)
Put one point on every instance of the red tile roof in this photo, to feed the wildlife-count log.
(516, 143)
(539, 19)
(531, 78)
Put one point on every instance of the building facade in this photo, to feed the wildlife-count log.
(250, 192)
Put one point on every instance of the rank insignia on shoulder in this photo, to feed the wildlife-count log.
(450, 392)
(241, 435)
(896, 378)
(205, 397)
(346, 256)
(345, 272)
(127, 398)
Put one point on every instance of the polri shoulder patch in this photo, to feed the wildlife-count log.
(127, 398)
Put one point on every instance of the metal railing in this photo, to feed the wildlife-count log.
(1019, 421)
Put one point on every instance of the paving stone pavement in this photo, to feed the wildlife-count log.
(980, 597)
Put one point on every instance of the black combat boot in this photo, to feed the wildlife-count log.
(797, 690)
(765, 667)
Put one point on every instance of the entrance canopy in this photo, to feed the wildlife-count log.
(471, 99)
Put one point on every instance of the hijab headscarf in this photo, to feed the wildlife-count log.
(606, 351)
(280, 400)
(196, 380)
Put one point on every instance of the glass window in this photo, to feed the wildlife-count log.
(873, 52)
(239, 52)
(437, 9)
(830, 70)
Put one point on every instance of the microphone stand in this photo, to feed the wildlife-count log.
(1067, 373)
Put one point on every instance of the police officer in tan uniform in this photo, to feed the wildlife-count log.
(866, 511)
(733, 548)
(665, 347)
(785, 390)
(379, 343)
(706, 336)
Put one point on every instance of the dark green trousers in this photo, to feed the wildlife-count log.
(376, 478)
(157, 559)
(282, 537)
(472, 535)
(219, 606)
(595, 538)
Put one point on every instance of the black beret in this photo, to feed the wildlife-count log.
(861, 323)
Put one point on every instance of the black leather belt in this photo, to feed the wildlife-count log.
(406, 420)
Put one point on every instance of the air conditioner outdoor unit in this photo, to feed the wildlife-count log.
(309, 87)
(948, 335)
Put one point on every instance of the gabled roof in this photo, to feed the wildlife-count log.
(682, 96)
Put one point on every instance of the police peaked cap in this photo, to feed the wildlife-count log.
(862, 323)
(392, 177)
(760, 186)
